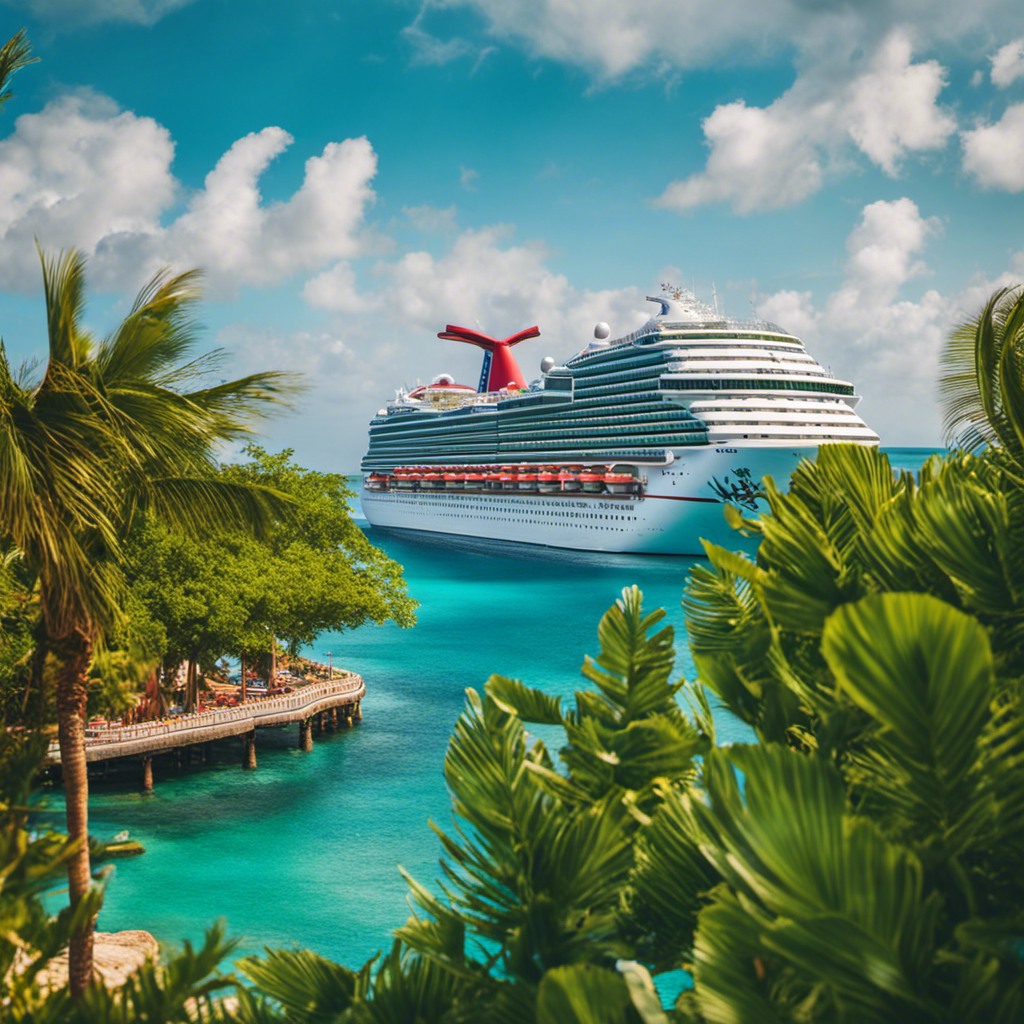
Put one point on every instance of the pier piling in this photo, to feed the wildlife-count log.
(147, 774)
(305, 735)
(357, 711)
(249, 758)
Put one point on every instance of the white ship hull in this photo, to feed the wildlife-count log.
(681, 504)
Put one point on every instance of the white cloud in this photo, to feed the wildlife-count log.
(75, 173)
(1008, 64)
(893, 109)
(760, 159)
(70, 13)
(994, 153)
(430, 219)
(468, 178)
(887, 345)
(775, 156)
(82, 172)
(483, 280)
(610, 38)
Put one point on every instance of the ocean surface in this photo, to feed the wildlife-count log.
(304, 851)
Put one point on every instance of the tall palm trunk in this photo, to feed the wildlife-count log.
(72, 694)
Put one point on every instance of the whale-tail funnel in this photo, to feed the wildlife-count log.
(500, 368)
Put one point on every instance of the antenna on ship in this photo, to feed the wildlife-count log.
(753, 296)
(714, 297)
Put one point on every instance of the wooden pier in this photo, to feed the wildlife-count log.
(323, 704)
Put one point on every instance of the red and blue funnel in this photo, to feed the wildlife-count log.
(500, 368)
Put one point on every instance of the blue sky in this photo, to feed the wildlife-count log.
(354, 176)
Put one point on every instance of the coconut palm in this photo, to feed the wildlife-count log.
(982, 380)
(114, 429)
(14, 54)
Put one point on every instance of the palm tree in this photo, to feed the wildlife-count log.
(982, 380)
(113, 430)
(14, 54)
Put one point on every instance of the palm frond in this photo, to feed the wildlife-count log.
(64, 292)
(981, 408)
(15, 54)
(923, 671)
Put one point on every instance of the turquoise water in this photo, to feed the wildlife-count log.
(304, 850)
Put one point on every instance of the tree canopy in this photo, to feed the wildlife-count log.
(312, 570)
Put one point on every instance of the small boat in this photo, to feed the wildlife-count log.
(433, 480)
(619, 480)
(547, 479)
(475, 480)
(508, 478)
(569, 478)
(592, 479)
(376, 482)
(453, 479)
(526, 478)
(493, 478)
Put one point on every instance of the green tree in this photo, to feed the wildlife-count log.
(111, 431)
(231, 593)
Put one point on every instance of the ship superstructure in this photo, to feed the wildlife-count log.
(692, 409)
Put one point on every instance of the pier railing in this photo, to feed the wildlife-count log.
(113, 740)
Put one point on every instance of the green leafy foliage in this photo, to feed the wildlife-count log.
(849, 528)
(537, 901)
(230, 592)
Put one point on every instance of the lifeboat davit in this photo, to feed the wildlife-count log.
(569, 478)
(592, 479)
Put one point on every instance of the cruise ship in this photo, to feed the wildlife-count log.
(633, 444)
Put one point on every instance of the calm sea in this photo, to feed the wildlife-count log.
(304, 850)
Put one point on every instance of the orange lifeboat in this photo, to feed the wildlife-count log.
(569, 478)
(493, 479)
(433, 480)
(406, 479)
(454, 480)
(526, 478)
(376, 482)
(619, 480)
(547, 479)
(592, 479)
(475, 479)
(508, 478)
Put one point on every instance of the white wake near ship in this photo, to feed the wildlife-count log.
(632, 445)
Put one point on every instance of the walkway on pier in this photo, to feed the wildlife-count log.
(110, 741)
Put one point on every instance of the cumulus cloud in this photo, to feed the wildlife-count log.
(468, 178)
(994, 153)
(485, 280)
(887, 344)
(610, 38)
(82, 172)
(70, 13)
(1008, 63)
(770, 157)
(75, 173)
